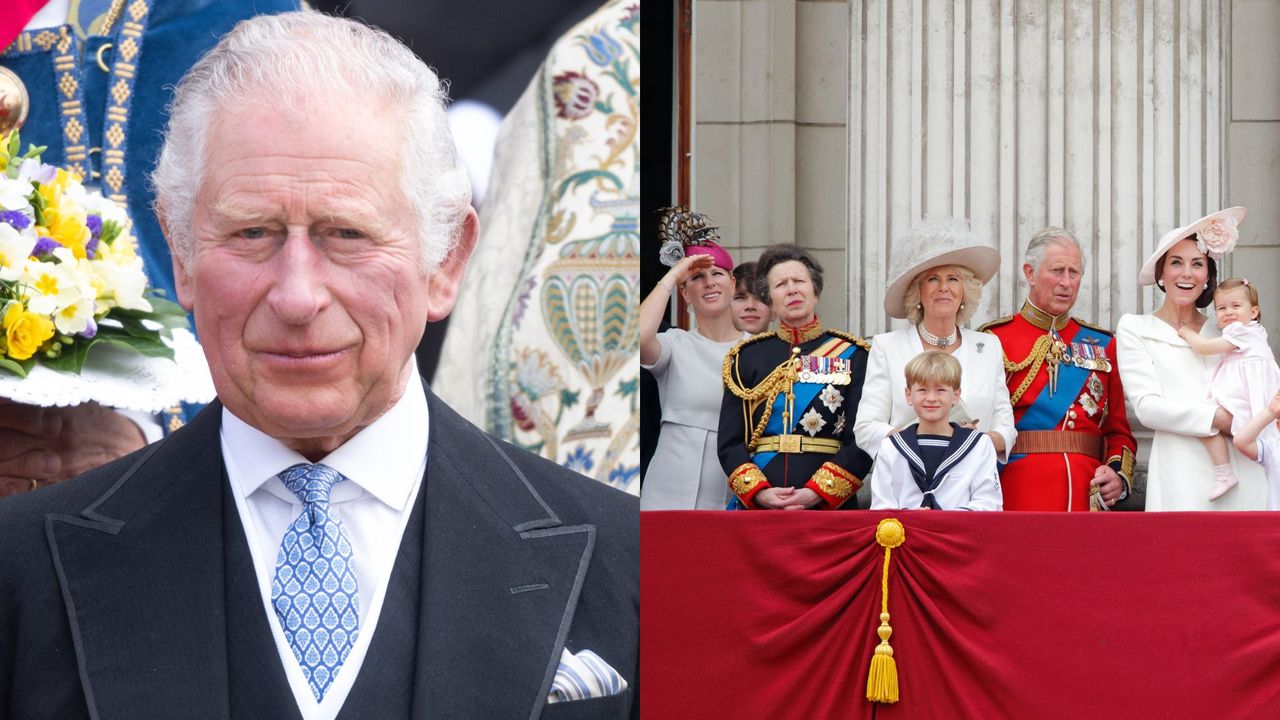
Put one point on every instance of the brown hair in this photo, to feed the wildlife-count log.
(1249, 290)
(778, 254)
(934, 366)
(744, 277)
(1205, 299)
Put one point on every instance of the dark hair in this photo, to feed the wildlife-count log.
(778, 254)
(744, 277)
(1205, 299)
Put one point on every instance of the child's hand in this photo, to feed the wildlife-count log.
(1183, 331)
(1274, 405)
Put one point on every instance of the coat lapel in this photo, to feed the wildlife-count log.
(500, 575)
(141, 572)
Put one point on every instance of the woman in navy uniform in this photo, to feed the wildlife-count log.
(791, 395)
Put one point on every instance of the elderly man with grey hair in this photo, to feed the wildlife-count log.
(327, 539)
(1074, 450)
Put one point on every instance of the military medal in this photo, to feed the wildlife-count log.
(1095, 387)
(1088, 403)
(14, 101)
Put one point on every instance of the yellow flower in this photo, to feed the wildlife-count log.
(25, 331)
(65, 221)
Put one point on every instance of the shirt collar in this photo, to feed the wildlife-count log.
(384, 459)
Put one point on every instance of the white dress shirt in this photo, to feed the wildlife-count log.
(384, 465)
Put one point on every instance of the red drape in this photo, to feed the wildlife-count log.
(994, 615)
(14, 15)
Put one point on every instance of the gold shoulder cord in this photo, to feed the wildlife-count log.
(1035, 359)
(780, 379)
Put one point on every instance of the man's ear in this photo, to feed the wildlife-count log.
(182, 280)
(445, 280)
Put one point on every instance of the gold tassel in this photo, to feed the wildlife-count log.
(882, 680)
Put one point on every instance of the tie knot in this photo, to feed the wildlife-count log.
(311, 483)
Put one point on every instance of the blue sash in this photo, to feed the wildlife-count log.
(1047, 411)
(805, 393)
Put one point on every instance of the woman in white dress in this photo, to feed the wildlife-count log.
(1165, 380)
(685, 472)
(940, 270)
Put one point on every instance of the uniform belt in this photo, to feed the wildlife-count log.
(1058, 441)
(798, 444)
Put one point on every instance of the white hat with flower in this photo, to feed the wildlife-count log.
(935, 242)
(1216, 235)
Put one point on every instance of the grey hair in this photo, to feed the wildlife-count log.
(1051, 235)
(969, 303)
(288, 57)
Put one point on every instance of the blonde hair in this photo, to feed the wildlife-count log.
(934, 366)
(969, 303)
(1249, 290)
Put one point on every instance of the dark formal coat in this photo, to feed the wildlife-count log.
(122, 591)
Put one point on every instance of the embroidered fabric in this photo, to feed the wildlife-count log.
(120, 378)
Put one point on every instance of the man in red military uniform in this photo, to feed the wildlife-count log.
(1074, 449)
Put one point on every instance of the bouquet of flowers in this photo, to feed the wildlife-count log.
(70, 276)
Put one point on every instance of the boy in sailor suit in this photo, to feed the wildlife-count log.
(935, 464)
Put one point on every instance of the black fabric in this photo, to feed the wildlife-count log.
(114, 588)
(256, 682)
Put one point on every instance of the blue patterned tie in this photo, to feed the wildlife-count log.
(314, 590)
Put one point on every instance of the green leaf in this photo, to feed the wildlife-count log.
(13, 366)
(73, 358)
(110, 231)
(15, 144)
(34, 151)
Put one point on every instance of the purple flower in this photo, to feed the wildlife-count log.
(90, 330)
(95, 225)
(44, 246)
(16, 219)
(36, 171)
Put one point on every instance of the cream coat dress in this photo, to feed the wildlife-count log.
(1164, 382)
(983, 394)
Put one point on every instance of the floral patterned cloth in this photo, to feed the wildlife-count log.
(544, 340)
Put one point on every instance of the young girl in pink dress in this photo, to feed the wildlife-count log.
(1245, 378)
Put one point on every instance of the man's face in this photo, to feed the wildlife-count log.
(1053, 287)
(306, 283)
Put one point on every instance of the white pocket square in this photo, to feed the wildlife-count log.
(583, 676)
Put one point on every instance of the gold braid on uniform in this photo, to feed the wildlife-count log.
(1034, 359)
(836, 481)
(780, 379)
(745, 478)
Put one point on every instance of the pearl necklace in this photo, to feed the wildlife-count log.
(934, 340)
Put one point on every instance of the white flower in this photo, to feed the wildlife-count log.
(14, 249)
(14, 194)
(671, 253)
(74, 318)
(1217, 237)
(33, 170)
(55, 285)
(812, 422)
(120, 285)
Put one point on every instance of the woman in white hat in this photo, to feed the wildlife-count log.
(940, 269)
(1165, 381)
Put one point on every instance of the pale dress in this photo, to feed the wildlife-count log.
(1245, 380)
(1164, 382)
(685, 472)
